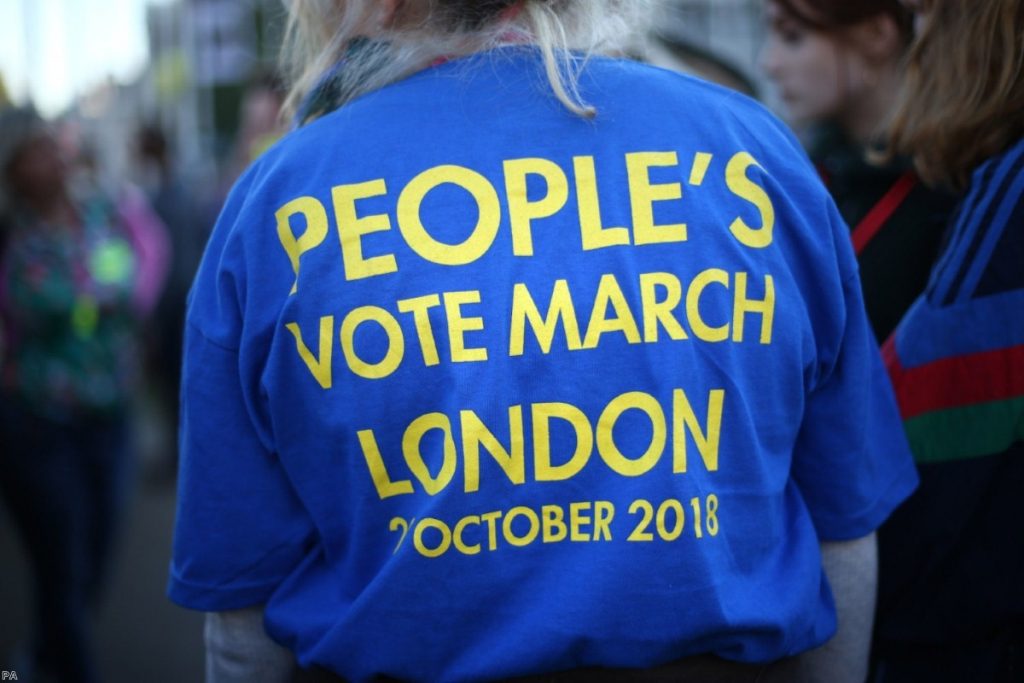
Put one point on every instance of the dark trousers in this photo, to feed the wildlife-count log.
(993, 657)
(64, 483)
(702, 669)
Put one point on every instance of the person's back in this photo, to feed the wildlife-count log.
(478, 388)
(951, 603)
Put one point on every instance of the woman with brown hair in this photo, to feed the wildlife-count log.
(951, 600)
(838, 67)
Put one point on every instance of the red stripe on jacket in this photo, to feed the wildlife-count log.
(955, 381)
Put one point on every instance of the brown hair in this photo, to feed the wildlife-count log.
(964, 96)
(833, 15)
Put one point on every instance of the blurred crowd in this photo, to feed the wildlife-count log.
(94, 276)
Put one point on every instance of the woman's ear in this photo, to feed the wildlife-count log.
(379, 16)
(878, 38)
(390, 12)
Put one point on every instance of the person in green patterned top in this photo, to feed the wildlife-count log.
(70, 272)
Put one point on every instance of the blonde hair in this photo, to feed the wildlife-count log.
(964, 96)
(321, 33)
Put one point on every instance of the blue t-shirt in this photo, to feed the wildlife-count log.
(477, 388)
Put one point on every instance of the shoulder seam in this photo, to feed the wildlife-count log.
(223, 347)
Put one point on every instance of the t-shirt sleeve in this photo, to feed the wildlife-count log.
(240, 528)
(851, 463)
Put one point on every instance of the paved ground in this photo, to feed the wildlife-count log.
(140, 635)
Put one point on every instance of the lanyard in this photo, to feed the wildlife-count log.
(882, 211)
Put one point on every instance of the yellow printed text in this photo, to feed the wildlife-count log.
(465, 439)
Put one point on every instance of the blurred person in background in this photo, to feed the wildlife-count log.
(838, 67)
(326, 514)
(671, 50)
(951, 591)
(76, 276)
(260, 122)
(188, 229)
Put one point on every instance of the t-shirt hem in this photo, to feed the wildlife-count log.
(848, 528)
(217, 598)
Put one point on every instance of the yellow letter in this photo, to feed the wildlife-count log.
(531, 534)
(460, 545)
(604, 513)
(458, 326)
(577, 520)
(609, 292)
(492, 529)
(744, 188)
(378, 472)
(553, 523)
(707, 440)
(560, 308)
(486, 229)
(442, 547)
(414, 457)
(321, 368)
(606, 440)
(419, 308)
(594, 236)
(542, 414)
(351, 229)
(643, 194)
(396, 342)
(660, 311)
(697, 324)
(316, 230)
(476, 434)
(520, 209)
(743, 305)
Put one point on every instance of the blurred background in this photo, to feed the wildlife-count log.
(175, 98)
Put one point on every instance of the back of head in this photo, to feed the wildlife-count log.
(836, 15)
(964, 99)
(366, 44)
(838, 63)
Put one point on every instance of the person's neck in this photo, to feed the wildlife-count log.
(864, 122)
